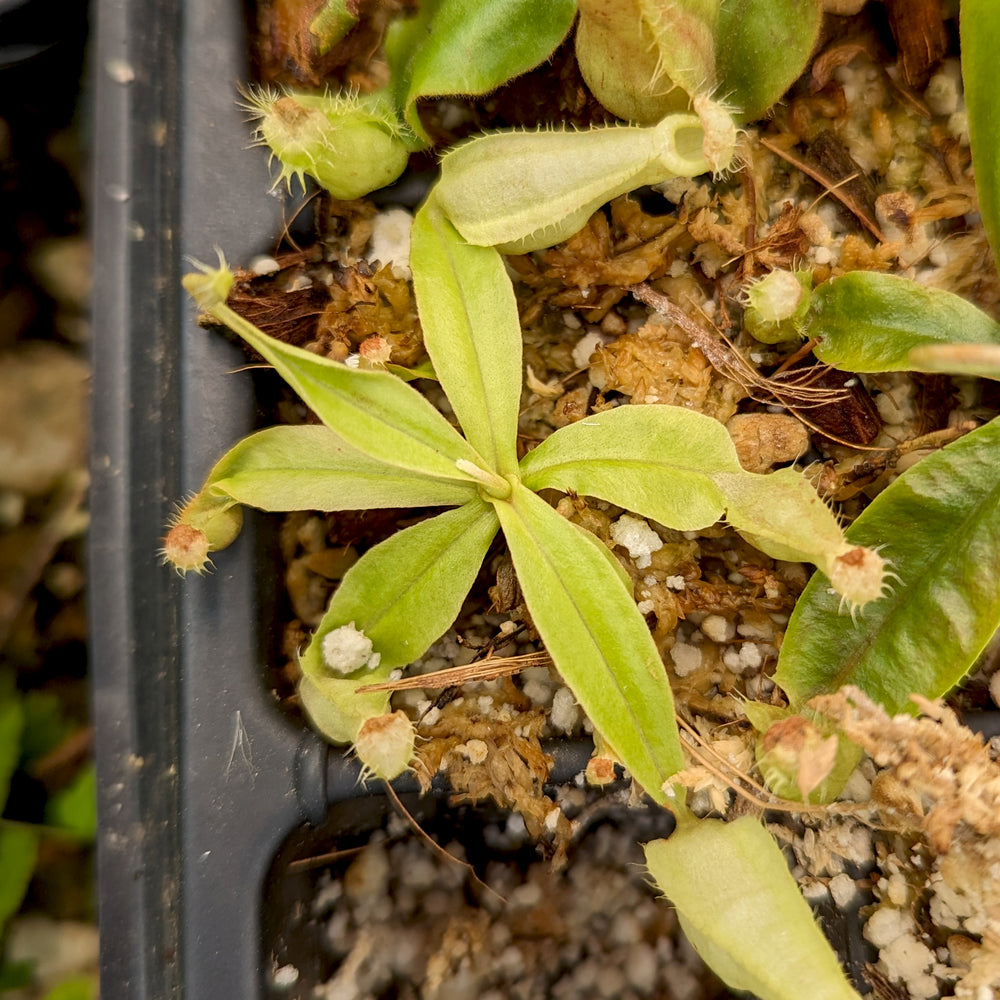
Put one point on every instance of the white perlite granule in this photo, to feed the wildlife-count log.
(347, 649)
(390, 242)
(564, 715)
(638, 537)
(687, 658)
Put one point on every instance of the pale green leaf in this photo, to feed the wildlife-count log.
(18, 853)
(471, 47)
(679, 467)
(596, 637)
(940, 522)
(979, 28)
(311, 468)
(471, 331)
(742, 910)
(375, 412)
(870, 322)
(657, 461)
(336, 708)
(403, 594)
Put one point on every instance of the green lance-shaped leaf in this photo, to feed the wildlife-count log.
(596, 637)
(471, 331)
(680, 468)
(979, 29)
(742, 910)
(868, 322)
(942, 521)
(403, 595)
(377, 413)
(311, 468)
(18, 854)
(657, 461)
(521, 191)
(468, 47)
(296, 468)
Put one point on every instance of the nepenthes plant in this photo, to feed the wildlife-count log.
(381, 443)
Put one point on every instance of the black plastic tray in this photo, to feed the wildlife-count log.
(200, 776)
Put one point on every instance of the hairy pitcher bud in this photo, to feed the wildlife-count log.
(349, 144)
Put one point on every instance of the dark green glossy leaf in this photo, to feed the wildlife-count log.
(596, 637)
(940, 524)
(471, 47)
(870, 322)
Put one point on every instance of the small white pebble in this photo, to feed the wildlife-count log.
(285, 977)
(475, 751)
(264, 265)
(686, 658)
(644, 607)
(638, 537)
(731, 660)
(843, 889)
(564, 715)
(537, 691)
(885, 925)
(390, 242)
(750, 658)
(717, 628)
(347, 649)
(675, 582)
(585, 347)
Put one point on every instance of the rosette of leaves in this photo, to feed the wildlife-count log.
(384, 445)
